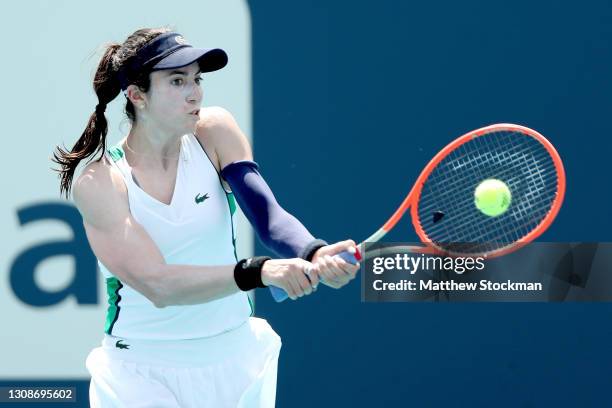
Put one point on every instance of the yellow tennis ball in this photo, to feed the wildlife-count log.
(492, 197)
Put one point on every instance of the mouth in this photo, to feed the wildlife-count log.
(195, 112)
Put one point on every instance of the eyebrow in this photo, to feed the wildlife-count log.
(179, 72)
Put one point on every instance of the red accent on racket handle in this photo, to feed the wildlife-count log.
(350, 257)
(358, 255)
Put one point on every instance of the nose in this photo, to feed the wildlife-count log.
(196, 94)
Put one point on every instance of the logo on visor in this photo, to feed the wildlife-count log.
(180, 40)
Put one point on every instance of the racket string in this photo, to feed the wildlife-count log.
(481, 176)
(513, 157)
(519, 210)
(522, 210)
(477, 234)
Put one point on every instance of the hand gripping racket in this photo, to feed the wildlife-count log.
(441, 201)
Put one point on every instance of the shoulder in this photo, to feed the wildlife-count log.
(218, 129)
(215, 117)
(99, 193)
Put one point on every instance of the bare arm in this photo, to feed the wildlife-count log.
(126, 249)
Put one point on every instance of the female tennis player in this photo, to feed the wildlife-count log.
(158, 211)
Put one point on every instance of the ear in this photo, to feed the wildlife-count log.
(135, 95)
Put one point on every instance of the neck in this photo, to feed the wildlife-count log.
(152, 144)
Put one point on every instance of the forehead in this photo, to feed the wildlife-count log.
(191, 69)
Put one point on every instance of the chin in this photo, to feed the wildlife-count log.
(187, 128)
(191, 129)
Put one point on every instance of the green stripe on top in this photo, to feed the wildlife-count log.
(113, 285)
(232, 202)
(251, 305)
(116, 153)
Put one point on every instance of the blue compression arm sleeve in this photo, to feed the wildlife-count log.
(279, 231)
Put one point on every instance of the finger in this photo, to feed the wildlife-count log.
(291, 292)
(341, 273)
(313, 275)
(353, 273)
(354, 269)
(343, 281)
(333, 284)
(294, 295)
(323, 261)
(349, 269)
(350, 243)
(305, 284)
(341, 246)
(326, 274)
(344, 266)
(295, 283)
(304, 280)
(334, 268)
(323, 268)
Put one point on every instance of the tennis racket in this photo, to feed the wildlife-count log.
(441, 202)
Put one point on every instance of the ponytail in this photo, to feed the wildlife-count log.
(107, 86)
(93, 139)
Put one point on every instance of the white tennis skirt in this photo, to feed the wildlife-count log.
(234, 369)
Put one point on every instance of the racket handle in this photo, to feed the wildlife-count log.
(278, 294)
(351, 257)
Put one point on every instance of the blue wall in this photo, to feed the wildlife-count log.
(351, 100)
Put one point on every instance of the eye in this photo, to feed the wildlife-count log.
(198, 79)
(177, 81)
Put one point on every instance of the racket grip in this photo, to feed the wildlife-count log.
(278, 294)
(351, 257)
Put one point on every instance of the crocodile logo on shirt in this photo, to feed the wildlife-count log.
(199, 198)
(120, 345)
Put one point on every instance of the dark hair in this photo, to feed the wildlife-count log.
(107, 87)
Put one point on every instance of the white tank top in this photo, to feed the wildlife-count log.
(195, 229)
